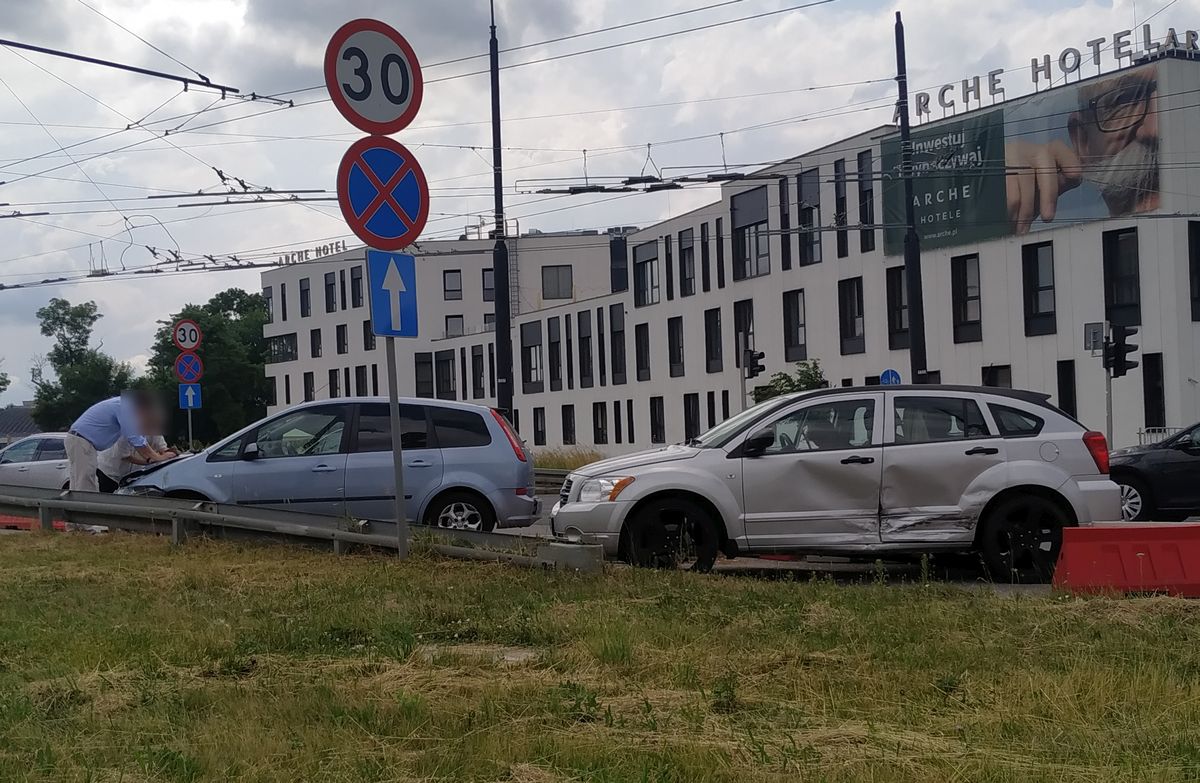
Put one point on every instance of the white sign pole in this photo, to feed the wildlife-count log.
(397, 449)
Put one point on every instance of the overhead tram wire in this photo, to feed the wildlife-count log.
(169, 56)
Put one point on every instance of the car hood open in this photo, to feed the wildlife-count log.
(134, 475)
(641, 459)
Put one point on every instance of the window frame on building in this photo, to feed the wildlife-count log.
(687, 262)
(852, 328)
(840, 216)
(1122, 287)
(645, 274)
(305, 297)
(750, 222)
(866, 200)
(795, 326)
(808, 197)
(452, 285)
(552, 282)
(675, 352)
(1036, 260)
(966, 299)
(714, 348)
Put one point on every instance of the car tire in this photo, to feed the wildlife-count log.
(461, 510)
(1136, 505)
(1020, 539)
(653, 535)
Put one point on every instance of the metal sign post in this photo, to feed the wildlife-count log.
(189, 369)
(397, 448)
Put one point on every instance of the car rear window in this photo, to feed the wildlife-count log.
(459, 429)
(374, 432)
(52, 449)
(934, 419)
(1014, 423)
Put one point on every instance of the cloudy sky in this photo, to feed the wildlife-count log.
(69, 149)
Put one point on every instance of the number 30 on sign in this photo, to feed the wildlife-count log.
(373, 76)
(187, 335)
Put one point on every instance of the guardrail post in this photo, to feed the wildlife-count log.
(178, 530)
(339, 546)
(45, 517)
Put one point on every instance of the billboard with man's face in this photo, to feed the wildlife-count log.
(1072, 154)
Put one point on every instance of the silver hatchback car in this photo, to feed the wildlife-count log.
(856, 472)
(464, 466)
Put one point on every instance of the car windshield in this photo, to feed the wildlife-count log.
(722, 433)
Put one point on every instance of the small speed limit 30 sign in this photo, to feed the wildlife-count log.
(373, 76)
(187, 335)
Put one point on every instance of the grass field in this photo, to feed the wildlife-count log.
(124, 660)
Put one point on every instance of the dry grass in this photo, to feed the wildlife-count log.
(565, 458)
(124, 660)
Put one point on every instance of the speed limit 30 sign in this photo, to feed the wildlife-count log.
(373, 76)
(187, 335)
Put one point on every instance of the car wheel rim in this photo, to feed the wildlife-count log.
(1029, 539)
(1131, 502)
(460, 516)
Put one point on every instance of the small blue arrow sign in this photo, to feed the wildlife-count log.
(890, 378)
(190, 397)
(393, 278)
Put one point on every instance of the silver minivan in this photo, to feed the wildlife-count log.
(464, 466)
(856, 472)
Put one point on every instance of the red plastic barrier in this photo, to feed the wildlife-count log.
(1130, 557)
(25, 523)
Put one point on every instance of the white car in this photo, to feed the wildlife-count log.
(36, 461)
(868, 471)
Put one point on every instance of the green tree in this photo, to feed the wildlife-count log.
(78, 375)
(4, 381)
(234, 383)
(807, 375)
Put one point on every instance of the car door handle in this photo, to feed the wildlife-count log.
(419, 463)
(22, 470)
(857, 460)
(981, 450)
(60, 467)
(324, 469)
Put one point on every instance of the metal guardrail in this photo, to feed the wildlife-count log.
(183, 518)
(547, 481)
(1155, 434)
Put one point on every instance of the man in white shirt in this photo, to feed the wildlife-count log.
(120, 459)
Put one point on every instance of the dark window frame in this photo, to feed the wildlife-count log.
(795, 326)
(866, 201)
(641, 340)
(808, 196)
(840, 218)
(675, 346)
(687, 262)
(1122, 287)
(714, 348)
(896, 284)
(552, 288)
(1038, 321)
(968, 325)
(852, 328)
(452, 285)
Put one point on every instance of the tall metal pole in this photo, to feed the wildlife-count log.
(744, 349)
(912, 240)
(500, 271)
(191, 440)
(397, 448)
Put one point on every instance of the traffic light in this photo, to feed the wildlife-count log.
(1117, 349)
(753, 362)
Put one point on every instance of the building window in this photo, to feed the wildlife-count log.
(618, 264)
(368, 336)
(850, 312)
(272, 392)
(462, 369)
(720, 230)
(724, 404)
(1037, 264)
(599, 423)
(343, 339)
(1122, 287)
(491, 369)
(452, 284)
(554, 339)
(269, 303)
(283, 301)
(342, 280)
(658, 421)
(310, 387)
(375, 379)
(346, 380)
(556, 282)
(641, 349)
(785, 225)
(840, 218)
(998, 375)
(1066, 387)
(281, 348)
(616, 420)
(1193, 267)
(539, 426)
(360, 380)
(356, 286)
(675, 345)
(531, 357)
(454, 326)
(687, 262)
(629, 420)
(489, 285)
(1152, 390)
(705, 260)
(335, 383)
(489, 322)
(423, 374)
(477, 391)
(691, 416)
(616, 327)
(568, 425)
(808, 186)
(743, 329)
(669, 266)
(795, 331)
(645, 274)
(570, 360)
(601, 356)
(712, 409)
(287, 390)
(314, 343)
(330, 292)
(305, 298)
(897, 308)
(443, 368)
(866, 201)
(965, 293)
(751, 240)
(713, 354)
(585, 350)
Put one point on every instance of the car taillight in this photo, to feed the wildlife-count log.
(517, 447)
(1097, 446)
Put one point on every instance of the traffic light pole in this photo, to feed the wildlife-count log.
(912, 240)
(500, 270)
(744, 348)
(1108, 406)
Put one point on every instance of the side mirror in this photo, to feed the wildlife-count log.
(250, 451)
(757, 443)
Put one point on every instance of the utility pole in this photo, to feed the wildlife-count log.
(912, 240)
(500, 272)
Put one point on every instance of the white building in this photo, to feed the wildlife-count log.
(635, 345)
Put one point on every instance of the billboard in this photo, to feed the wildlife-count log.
(1076, 153)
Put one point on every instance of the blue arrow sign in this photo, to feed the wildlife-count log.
(393, 278)
(190, 397)
(890, 378)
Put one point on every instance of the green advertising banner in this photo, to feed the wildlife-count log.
(958, 184)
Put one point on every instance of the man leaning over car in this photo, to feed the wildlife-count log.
(101, 426)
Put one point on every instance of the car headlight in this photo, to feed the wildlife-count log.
(605, 488)
(141, 490)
